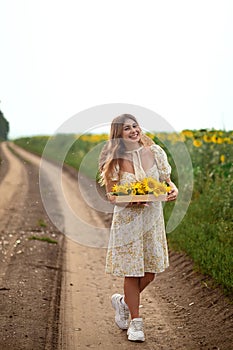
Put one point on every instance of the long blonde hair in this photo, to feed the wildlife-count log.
(113, 151)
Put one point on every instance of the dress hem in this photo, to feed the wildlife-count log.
(141, 275)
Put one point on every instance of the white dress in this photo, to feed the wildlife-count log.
(137, 242)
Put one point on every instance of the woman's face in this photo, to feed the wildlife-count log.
(131, 131)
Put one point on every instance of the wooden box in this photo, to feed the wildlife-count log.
(141, 198)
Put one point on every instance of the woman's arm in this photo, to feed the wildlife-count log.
(109, 185)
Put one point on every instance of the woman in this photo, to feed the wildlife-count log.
(137, 246)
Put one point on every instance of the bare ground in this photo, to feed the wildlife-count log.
(181, 309)
(30, 270)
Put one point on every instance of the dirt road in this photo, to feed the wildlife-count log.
(30, 270)
(180, 310)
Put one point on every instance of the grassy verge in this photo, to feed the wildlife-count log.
(74, 149)
(34, 144)
(206, 233)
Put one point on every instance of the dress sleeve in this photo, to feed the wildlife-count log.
(164, 167)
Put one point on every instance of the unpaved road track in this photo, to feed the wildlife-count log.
(179, 309)
(30, 270)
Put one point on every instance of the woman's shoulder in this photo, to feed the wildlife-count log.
(158, 152)
(156, 149)
(161, 161)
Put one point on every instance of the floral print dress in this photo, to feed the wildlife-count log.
(137, 242)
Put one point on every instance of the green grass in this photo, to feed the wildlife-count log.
(34, 144)
(206, 234)
(43, 239)
(41, 223)
(75, 151)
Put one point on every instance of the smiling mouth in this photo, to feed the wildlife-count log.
(134, 136)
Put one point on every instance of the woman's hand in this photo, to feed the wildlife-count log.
(173, 193)
(111, 198)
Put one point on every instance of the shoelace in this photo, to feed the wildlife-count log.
(137, 325)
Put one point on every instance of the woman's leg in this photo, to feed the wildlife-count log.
(145, 280)
(133, 286)
(132, 295)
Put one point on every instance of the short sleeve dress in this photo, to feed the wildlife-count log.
(137, 242)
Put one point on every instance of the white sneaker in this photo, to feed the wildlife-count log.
(135, 330)
(122, 311)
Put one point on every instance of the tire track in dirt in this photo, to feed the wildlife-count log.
(180, 309)
(14, 178)
(29, 269)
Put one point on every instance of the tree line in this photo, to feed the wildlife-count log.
(4, 127)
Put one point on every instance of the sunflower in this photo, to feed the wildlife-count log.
(147, 186)
(187, 133)
(137, 188)
(121, 189)
(197, 143)
(207, 138)
(222, 158)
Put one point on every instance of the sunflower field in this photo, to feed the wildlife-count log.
(206, 232)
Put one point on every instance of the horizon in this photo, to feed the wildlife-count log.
(106, 133)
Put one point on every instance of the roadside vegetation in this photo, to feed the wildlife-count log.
(43, 239)
(206, 232)
(4, 127)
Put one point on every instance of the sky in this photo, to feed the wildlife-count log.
(59, 58)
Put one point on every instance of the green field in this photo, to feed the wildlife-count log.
(206, 232)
